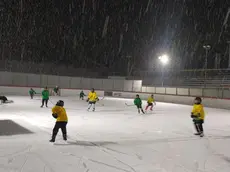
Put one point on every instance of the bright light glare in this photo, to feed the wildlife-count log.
(164, 59)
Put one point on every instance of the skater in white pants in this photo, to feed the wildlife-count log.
(92, 99)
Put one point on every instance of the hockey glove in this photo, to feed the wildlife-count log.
(87, 100)
(98, 99)
(55, 115)
(193, 116)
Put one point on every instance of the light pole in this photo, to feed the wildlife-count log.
(228, 54)
(207, 48)
(164, 61)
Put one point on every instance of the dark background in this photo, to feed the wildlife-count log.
(72, 32)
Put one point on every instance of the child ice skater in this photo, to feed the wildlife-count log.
(32, 93)
(82, 95)
(198, 116)
(150, 102)
(92, 99)
(138, 103)
(45, 97)
(59, 113)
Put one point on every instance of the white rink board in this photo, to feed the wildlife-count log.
(64, 82)
(20, 79)
(6, 78)
(37, 80)
(53, 81)
(24, 91)
(76, 92)
(76, 82)
(33, 80)
(208, 102)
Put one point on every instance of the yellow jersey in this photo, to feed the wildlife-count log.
(150, 100)
(61, 113)
(198, 110)
(92, 97)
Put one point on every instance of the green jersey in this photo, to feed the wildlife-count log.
(82, 94)
(45, 94)
(56, 89)
(32, 92)
(137, 101)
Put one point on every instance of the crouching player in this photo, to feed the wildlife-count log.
(92, 99)
(57, 91)
(198, 115)
(32, 93)
(82, 95)
(59, 113)
(138, 103)
(3, 99)
(150, 102)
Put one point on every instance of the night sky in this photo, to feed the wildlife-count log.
(102, 33)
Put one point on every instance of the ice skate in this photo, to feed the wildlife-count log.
(52, 141)
(65, 137)
(196, 134)
(202, 134)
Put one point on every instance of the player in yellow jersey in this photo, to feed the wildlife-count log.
(198, 116)
(150, 102)
(92, 99)
(61, 117)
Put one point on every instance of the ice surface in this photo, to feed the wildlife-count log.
(114, 139)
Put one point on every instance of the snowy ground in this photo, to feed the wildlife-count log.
(114, 139)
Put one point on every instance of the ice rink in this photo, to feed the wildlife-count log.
(115, 138)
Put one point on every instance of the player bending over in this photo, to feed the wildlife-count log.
(57, 91)
(82, 95)
(3, 99)
(45, 97)
(92, 99)
(32, 93)
(138, 103)
(59, 113)
(198, 115)
(150, 102)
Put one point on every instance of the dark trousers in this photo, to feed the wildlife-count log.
(199, 125)
(62, 126)
(31, 96)
(44, 101)
(3, 98)
(139, 107)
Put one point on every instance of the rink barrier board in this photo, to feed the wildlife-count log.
(178, 99)
(42, 80)
(24, 91)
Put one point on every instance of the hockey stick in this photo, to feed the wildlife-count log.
(128, 104)
(51, 101)
(100, 103)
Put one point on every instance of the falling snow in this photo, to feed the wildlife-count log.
(89, 34)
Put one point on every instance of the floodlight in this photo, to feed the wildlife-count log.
(164, 59)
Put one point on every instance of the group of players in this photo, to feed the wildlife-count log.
(59, 112)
